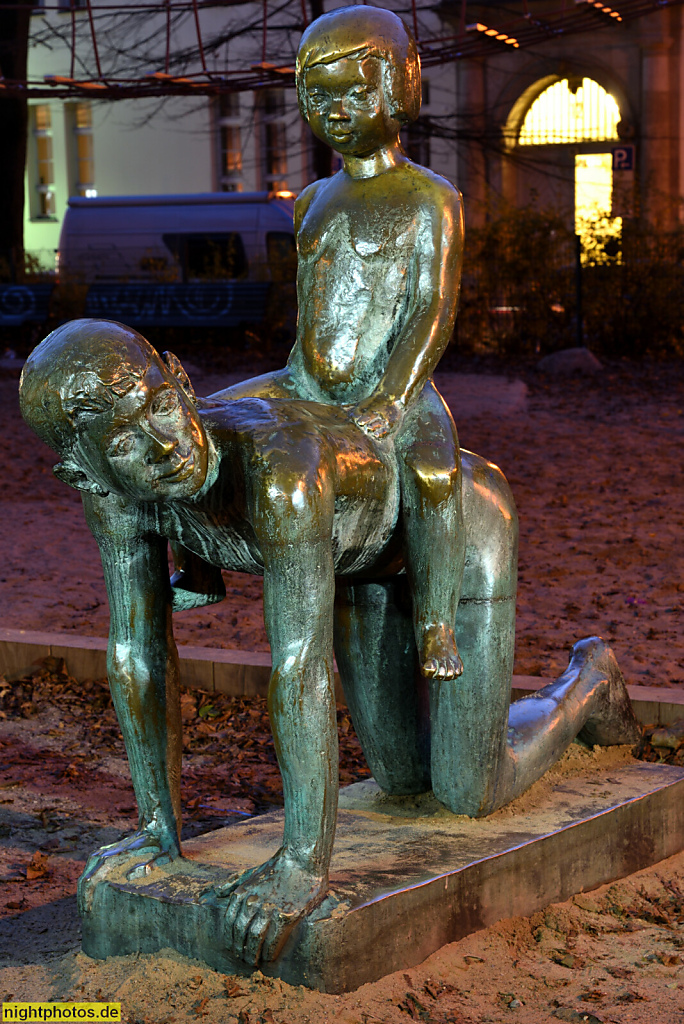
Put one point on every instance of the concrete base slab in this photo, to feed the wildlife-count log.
(407, 875)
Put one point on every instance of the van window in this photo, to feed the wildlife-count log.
(208, 257)
(281, 252)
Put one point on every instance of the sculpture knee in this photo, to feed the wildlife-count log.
(434, 481)
(491, 526)
(300, 668)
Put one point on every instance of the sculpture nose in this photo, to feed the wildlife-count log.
(338, 111)
(163, 444)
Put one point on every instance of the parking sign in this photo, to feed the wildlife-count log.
(623, 158)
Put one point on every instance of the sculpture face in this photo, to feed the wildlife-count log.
(347, 106)
(152, 445)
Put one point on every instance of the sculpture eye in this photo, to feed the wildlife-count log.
(166, 403)
(122, 444)
(362, 95)
(317, 100)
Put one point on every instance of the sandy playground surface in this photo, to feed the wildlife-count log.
(596, 469)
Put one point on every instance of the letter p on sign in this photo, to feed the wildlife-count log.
(623, 158)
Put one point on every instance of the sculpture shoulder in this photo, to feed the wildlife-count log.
(114, 520)
(304, 200)
(432, 191)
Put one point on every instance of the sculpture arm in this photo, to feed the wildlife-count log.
(142, 661)
(302, 203)
(428, 328)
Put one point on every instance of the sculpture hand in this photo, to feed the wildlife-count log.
(142, 847)
(377, 417)
(264, 904)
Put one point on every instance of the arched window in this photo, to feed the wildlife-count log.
(567, 112)
(576, 112)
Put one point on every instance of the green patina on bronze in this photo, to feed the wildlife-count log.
(328, 477)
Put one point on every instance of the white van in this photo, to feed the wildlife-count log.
(217, 236)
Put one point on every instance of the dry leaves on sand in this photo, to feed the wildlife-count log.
(37, 867)
(230, 770)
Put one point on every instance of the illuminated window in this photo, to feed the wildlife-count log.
(273, 140)
(230, 142)
(275, 154)
(83, 163)
(45, 170)
(593, 207)
(561, 115)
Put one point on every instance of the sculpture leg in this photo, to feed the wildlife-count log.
(469, 714)
(485, 753)
(589, 700)
(293, 506)
(385, 691)
(434, 536)
(146, 697)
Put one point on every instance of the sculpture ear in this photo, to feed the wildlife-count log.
(78, 479)
(174, 364)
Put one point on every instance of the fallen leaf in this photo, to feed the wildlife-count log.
(568, 960)
(37, 867)
(631, 996)
(620, 972)
(669, 959)
(200, 1008)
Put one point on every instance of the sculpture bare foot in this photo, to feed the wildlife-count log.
(614, 721)
(144, 849)
(265, 903)
(439, 654)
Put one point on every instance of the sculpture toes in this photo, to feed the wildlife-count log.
(256, 934)
(249, 910)
(277, 934)
(85, 887)
(232, 911)
(236, 914)
(430, 667)
(454, 668)
(93, 864)
(143, 868)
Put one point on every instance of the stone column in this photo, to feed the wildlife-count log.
(659, 136)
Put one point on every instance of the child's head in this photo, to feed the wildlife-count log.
(362, 32)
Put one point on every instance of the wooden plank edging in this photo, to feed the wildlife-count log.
(246, 673)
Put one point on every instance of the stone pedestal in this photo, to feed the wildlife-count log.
(407, 876)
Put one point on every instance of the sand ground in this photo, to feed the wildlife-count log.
(596, 469)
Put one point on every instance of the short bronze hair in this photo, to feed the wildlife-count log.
(77, 372)
(364, 32)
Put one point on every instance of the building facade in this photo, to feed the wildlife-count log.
(592, 124)
(238, 141)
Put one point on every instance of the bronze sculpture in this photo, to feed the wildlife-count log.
(327, 477)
